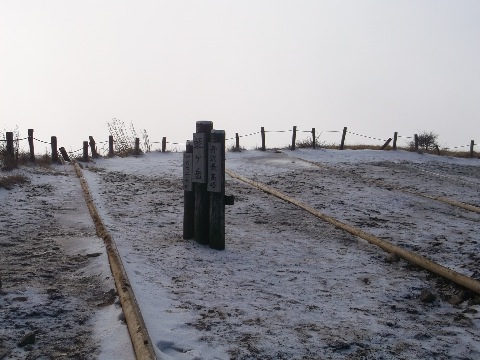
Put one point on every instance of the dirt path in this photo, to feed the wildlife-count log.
(52, 268)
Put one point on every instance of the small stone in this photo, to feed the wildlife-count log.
(455, 300)
(427, 296)
(27, 339)
(392, 258)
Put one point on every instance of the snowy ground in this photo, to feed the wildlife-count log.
(288, 285)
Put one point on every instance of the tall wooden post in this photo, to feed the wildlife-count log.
(216, 187)
(30, 144)
(164, 144)
(472, 144)
(416, 141)
(188, 193)
(85, 151)
(64, 154)
(202, 198)
(137, 146)
(294, 137)
(342, 143)
(53, 142)
(93, 147)
(395, 136)
(262, 132)
(10, 159)
(237, 142)
(111, 153)
(314, 139)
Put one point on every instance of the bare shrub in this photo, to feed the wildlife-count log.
(124, 138)
(427, 140)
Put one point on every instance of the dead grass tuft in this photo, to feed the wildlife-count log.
(7, 182)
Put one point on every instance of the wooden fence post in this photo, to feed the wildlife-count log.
(111, 153)
(415, 136)
(30, 144)
(188, 192)
(216, 187)
(386, 144)
(85, 151)
(53, 142)
(237, 142)
(202, 198)
(472, 144)
(262, 132)
(137, 146)
(64, 154)
(395, 136)
(314, 140)
(164, 144)
(93, 147)
(294, 137)
(10, 159)
(342, 143)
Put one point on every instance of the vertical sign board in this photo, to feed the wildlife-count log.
(199, 144)
(187, 171)
(214, 179)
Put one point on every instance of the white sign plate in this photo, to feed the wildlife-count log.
(187, 171)
(199, 144)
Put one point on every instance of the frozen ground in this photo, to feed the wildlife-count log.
(288, 286)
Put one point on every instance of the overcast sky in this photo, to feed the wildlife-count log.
(69, 67)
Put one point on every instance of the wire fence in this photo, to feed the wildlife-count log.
(104, 147)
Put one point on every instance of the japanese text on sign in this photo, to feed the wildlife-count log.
(214, 181)
(187, 171)
(199, 143)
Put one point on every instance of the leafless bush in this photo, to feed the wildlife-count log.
(124, 138)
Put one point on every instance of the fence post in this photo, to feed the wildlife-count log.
(262, 132)
(9, 161)
(64, 154)
(216, 187)
(164, 144)
(294, 137)
(342, 143)
(137, 146)
(30, 144)
(314, 140)
(111, 153)
(202, 198)
(472, 144)
(386, 144)
(85, 151)
(395, 136)
(237, 142)
(93, 147)
(54, 149)
(416, 141)
(188, 192)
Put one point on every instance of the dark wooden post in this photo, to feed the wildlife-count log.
(53, 142)
(10, 159)
(85, 151)
(64, 154)
(216, 187)
(137, 146)
(386, 144)
(202, 198)
(416, 141)
(472, 144)
(111, 153)
(188, 193)
(93, 147)
(342, 143)
(438, 150)
(164, 144)
(30, 144)
(314, 139)
(395, 136)
(237, 142)
(262, 132)
(294, 137)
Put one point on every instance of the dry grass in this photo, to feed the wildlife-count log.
(7, 182)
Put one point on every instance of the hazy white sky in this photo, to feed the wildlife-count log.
(69, 67)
